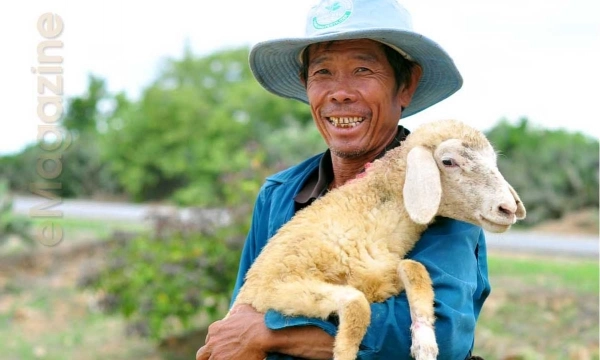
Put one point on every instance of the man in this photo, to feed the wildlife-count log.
(360, 68)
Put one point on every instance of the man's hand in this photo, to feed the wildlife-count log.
(241, 336)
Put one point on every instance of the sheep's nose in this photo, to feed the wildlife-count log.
(508, 208)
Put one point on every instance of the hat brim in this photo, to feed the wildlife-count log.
(276, 65)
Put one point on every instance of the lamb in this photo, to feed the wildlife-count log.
(322, 263)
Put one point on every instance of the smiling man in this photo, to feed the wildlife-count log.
(361, 68)
(355, 100)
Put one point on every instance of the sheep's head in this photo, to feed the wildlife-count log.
(457, 177)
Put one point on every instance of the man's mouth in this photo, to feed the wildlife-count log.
(345, 121)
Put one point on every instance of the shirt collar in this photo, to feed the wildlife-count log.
(318, 182)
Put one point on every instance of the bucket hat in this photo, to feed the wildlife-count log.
(276, 63)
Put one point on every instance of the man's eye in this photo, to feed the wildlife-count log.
(362, 69)
(321, 72)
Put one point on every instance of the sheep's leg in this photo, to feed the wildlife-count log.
(419, 292)
(314, 298)
(355, 315)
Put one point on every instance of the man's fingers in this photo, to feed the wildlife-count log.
(202, 354)
(212, 328)
(233, 310)
(241, 308)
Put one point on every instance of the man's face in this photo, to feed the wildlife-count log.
(353, 98)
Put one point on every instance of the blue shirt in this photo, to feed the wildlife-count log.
(453, 252)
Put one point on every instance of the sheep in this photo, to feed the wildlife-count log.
(346, 250)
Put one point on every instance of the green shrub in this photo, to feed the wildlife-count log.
(11, 224)
(162, 284)
(554, 171)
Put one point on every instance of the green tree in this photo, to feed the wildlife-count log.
(19, 170)
(83, 172)
(199, 133)
(555, 171)
(82, 116)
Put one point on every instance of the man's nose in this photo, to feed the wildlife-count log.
(342, 92)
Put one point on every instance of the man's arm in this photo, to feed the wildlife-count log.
(244, 335)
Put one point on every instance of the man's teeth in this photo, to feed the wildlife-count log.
(345, 121)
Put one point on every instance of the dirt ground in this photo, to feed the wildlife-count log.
(583, 222)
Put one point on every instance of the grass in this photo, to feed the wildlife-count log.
(540, 308)
(97, 229)
(580, 275)
(48, 317)
(75, 231)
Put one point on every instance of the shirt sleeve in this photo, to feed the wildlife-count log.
(454, 254)
(253, 244)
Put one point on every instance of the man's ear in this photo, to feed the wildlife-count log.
(407, 92)
(302, 79)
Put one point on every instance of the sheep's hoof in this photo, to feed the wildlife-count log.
(424, 346)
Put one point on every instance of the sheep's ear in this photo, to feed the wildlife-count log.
(521, 212)
(422, 187)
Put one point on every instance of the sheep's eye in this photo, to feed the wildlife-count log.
(448, 162)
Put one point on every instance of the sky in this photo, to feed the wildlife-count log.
(518, 58)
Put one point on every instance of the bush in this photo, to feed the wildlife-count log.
(10, 224)
(554, 171)
(164, 284)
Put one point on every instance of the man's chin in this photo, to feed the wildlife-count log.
(347, 153)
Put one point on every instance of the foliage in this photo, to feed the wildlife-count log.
(83, 172)
(203, 134)
(161, 284)
(200, 133)
(554, 171)
(83, 115)
(19, 170)
(11, 225)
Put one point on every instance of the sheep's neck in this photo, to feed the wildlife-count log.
(387, 178)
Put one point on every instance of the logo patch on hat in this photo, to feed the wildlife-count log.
(331, 13)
